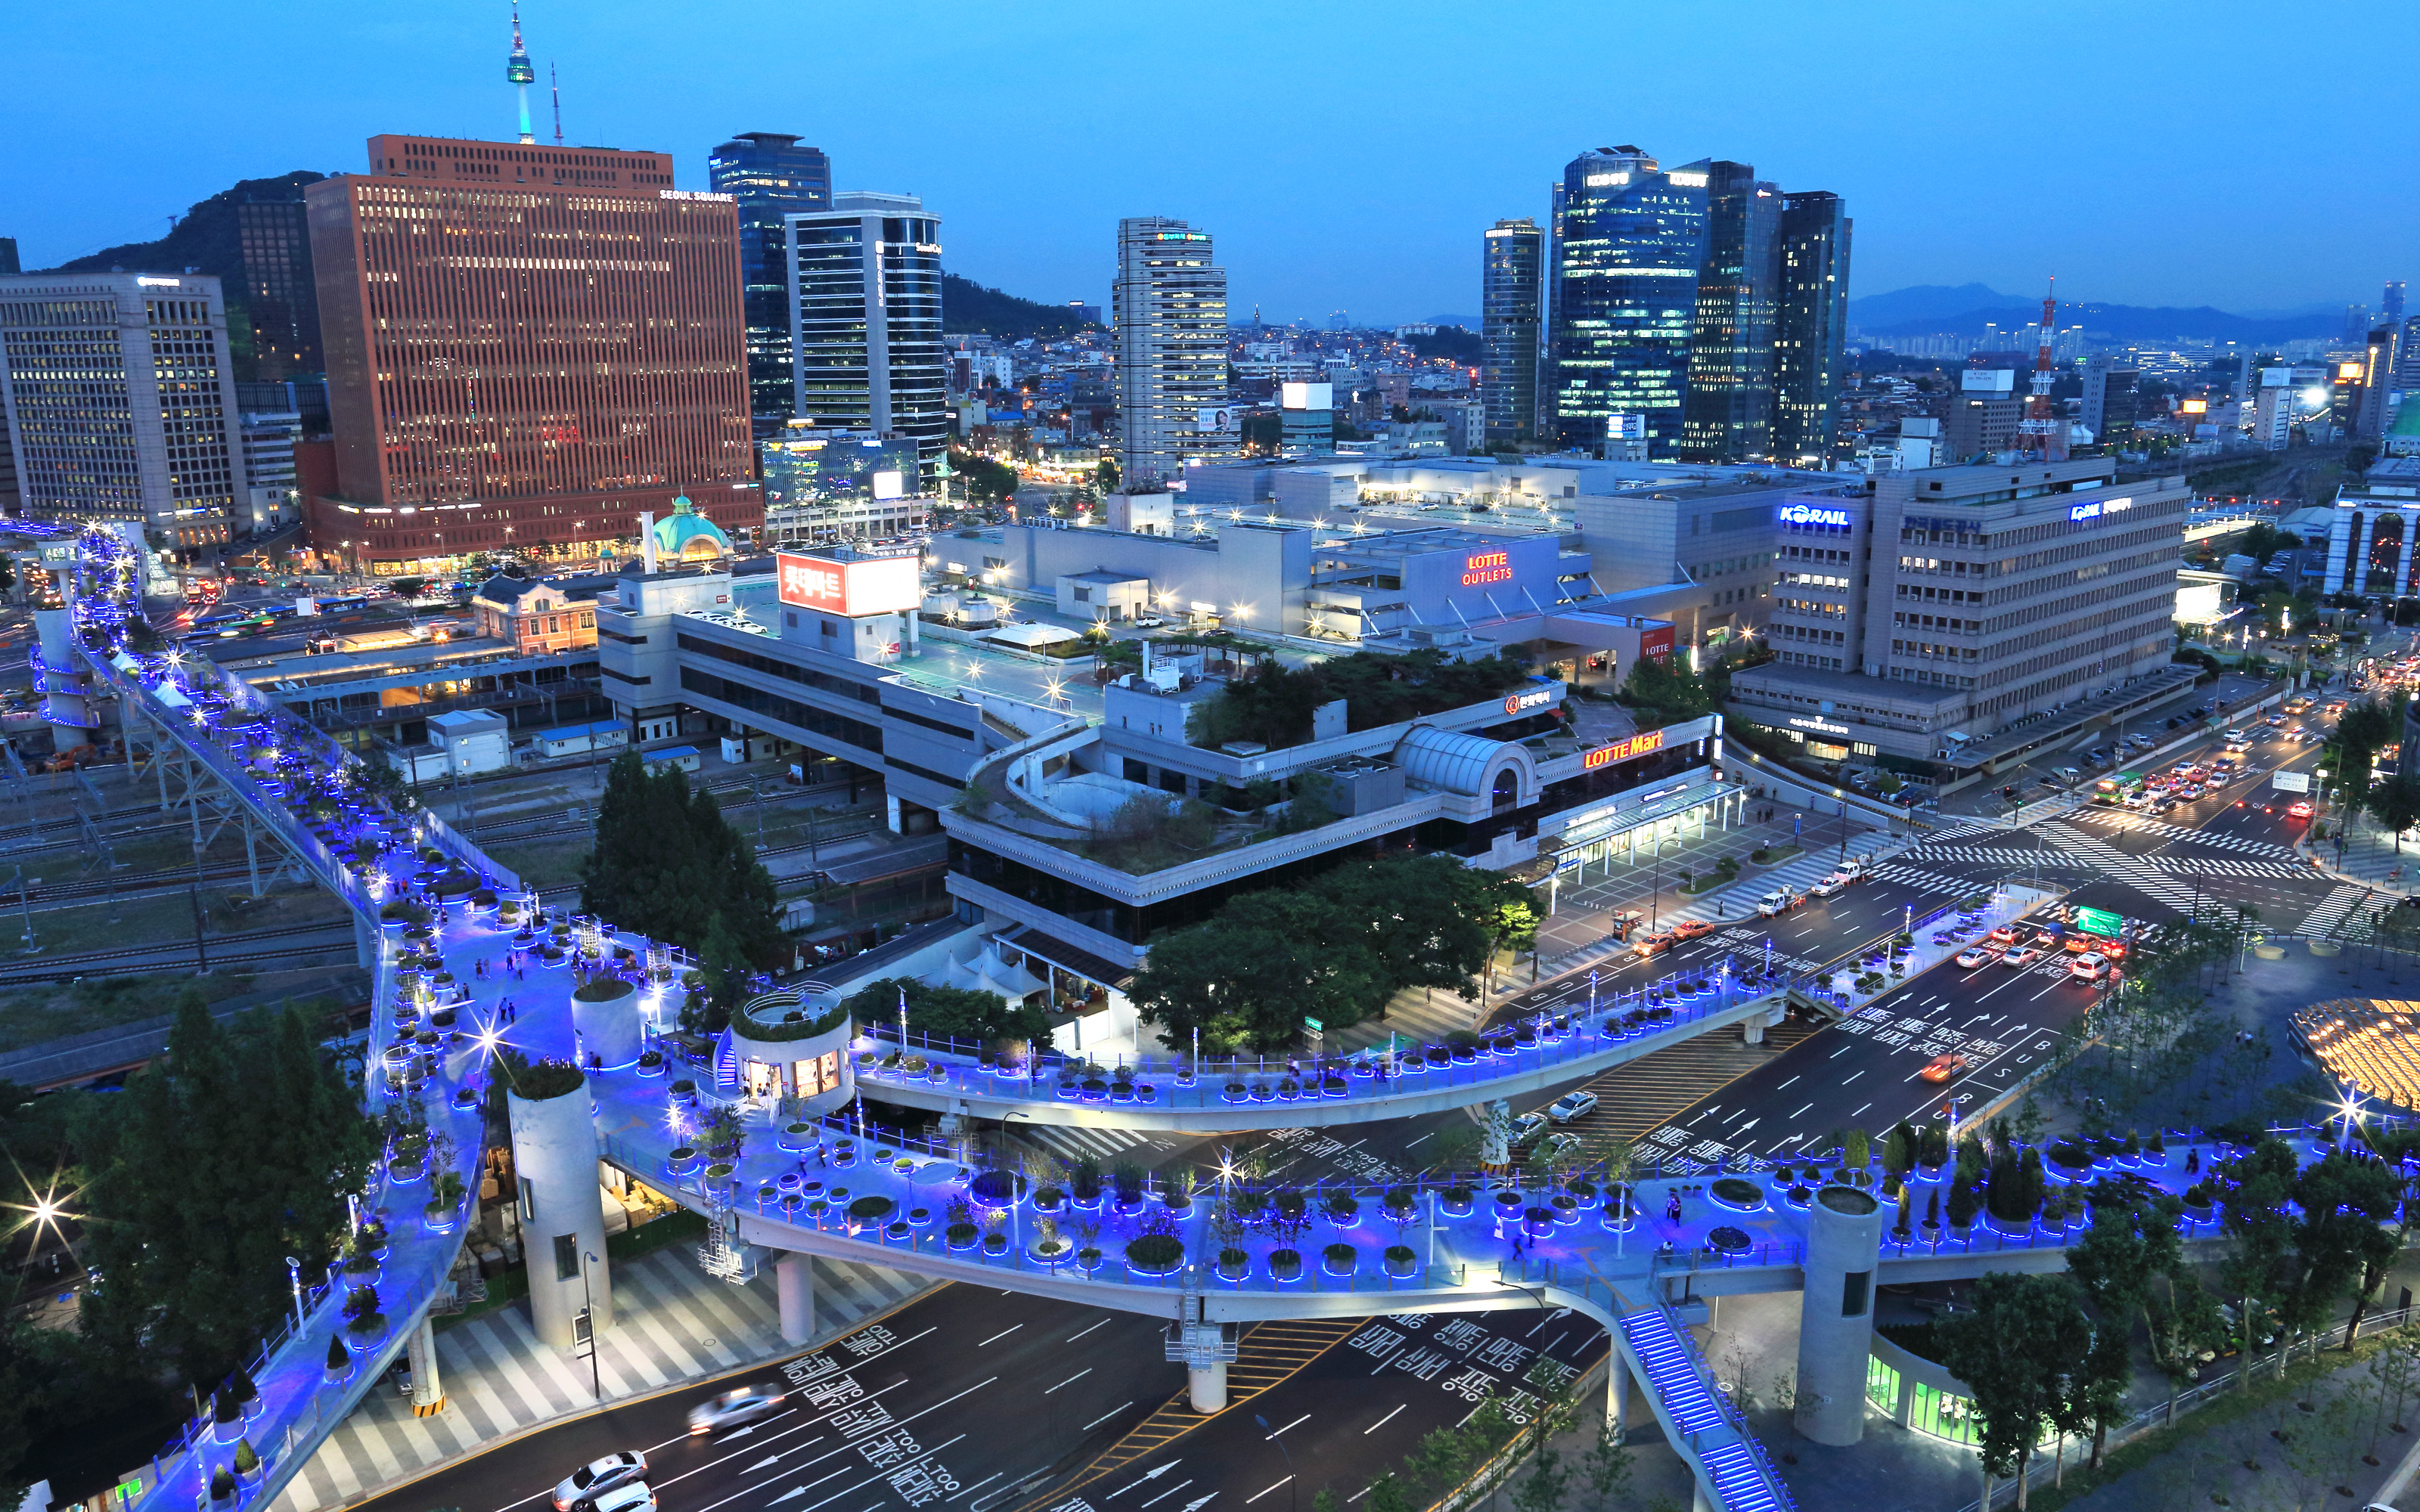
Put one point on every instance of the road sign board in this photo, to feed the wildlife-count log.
(1313, 1024)
(2285, 782)
(2100, 921)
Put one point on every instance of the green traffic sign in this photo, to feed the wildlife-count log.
(2100, 921)
(1313, 1024)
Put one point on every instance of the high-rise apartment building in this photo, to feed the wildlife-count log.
(1728, 417)
(2111, 404)
(120, 398)
(1629, 239)
(8, 265)
(865, 322)
(2356, 324)
(1513, 293)
(2390, 306)
(1810, 326)
(271, 497)
(772, 178)
(2377, 373)
(527, 347)
(279, 292)
(1169, 303)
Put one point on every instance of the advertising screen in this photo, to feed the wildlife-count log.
(851, 589)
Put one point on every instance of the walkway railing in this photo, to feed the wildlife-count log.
(1545, 1042)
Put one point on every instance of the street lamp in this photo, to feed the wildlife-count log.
(588, 1310)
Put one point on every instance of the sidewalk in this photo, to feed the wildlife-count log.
(672, 1323)
(2369, 857)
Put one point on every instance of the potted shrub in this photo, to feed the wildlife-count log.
(1339, 1259)
(340, 1360)
(1933, 1217)
(247, 1463)
(682, 1160)
(444, 1195)
(1285, 1264)
(1961, 1206)
(227, 1416)
(1400, 1261)
(868, 1210)
(1455, 1200)
(221, 1487)
(361, 1315)
(1233, 1264)
(997, 1188)
(2198, 1206)
(1739, 1195)
(1155, 1254)
(651, 1063)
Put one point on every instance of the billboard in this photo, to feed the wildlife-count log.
(1215, 422)
(1307, 397)
(890, 483)
(1656, 643)
(2290, 781)
(883, 585)
(1646, 743)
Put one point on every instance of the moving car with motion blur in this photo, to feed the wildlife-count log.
(733, 1407)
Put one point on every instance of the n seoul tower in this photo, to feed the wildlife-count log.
(519, 74)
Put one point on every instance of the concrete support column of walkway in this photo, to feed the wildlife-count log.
(1207, 1386)
(427, 1392)
(1616, 1394)
(1836, 1314)
(1701, 1499)
(562, 1221)
(794, 1280)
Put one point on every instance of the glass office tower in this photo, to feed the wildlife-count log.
(1629, 239)
(1729, 415)
(1810, 326)
(1513, 295)
(866, 292)
(772, 177)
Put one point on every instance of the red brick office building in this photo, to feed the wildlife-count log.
(527, 346)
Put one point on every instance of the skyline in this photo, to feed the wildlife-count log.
(1303, 126)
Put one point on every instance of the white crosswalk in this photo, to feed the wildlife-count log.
(1996, 856)
(1917, 879)
(2134, 870)
(1107, 1146)
(2341, 912)
(2126, 823)
(672, 1323)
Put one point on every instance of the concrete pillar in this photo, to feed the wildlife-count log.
(890, 806)
(56, 630)
(1699, 1500)
(1208, 1387)
(427, 1392)
(561, 1217)
(1752, 1031)
(1836, 1313)
(1616, 1394)
(793, 1279)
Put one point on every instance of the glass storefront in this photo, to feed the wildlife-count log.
(1940, 1413)
(1882, 1386)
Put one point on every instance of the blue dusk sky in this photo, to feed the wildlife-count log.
(1345, 156)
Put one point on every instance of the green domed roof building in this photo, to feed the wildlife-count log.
(686, 535)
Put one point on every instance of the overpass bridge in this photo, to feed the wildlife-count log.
(731, 1138)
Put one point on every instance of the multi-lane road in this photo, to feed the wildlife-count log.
(993, 1402)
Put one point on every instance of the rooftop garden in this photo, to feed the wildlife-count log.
(1271, 704)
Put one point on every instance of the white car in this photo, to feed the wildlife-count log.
(1773, 904)
(1150, 622)
(743, 1404)
(630, 1496)
(584, 1486)
(1829, 886)
(1570, 1106)
(1853, 868)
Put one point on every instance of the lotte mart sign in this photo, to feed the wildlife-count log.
(1645, 744)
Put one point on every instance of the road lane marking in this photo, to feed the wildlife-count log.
(1072, 1380)
(1072, 1338)
(1105, 1417)
(1265, 1490)
(1170, 1491)
(1296, 1424)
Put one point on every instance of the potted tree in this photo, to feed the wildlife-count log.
(340, 1360)
(363, 1318)
(1962, 1205)
(1049, 1247)
(222, 1488)
(1339, 1259)
(1932, 1217)
(247, 1463)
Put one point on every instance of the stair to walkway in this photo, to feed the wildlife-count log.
(1690, 1403)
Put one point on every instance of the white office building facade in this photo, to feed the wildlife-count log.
(121, 400)
(1169, 303)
